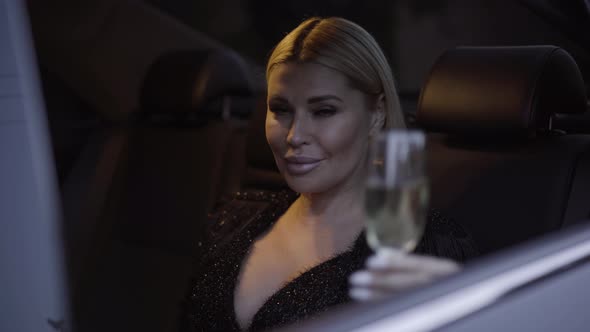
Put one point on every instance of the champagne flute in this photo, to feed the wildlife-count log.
(396, 199)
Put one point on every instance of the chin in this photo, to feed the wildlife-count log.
(306, 184)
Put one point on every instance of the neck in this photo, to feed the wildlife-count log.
(331, 222)
(331, 209)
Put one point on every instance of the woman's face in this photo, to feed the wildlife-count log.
(318, 127)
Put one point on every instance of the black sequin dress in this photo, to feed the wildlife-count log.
(210, 303)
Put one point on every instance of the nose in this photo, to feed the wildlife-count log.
(298, 132)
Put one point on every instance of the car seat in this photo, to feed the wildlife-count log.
(497, 163)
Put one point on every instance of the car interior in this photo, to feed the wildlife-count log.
(153, 123)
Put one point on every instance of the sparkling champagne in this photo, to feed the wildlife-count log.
(396, 215)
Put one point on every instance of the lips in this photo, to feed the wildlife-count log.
(300, 165)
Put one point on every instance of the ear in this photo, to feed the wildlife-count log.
(378, 116)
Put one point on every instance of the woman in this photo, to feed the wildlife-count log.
(276, 258)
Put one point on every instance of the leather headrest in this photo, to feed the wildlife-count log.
(492, 90)
(183, 81)
(261, 171)
(258, 153)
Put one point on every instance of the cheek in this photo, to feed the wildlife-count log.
(274, 133)
(347, 140)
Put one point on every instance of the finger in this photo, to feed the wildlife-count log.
(388, 281)
(432, 266)
(384, 261)
(400, 281)
(390, 252)
(361, 278)
(388, 256)
(365, 294)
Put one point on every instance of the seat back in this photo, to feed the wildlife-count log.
(135, 192)
(496, 162)
(172, 169)
(180, 153)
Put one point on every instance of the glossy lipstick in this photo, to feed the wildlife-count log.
(299, 165)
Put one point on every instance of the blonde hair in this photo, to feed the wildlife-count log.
(344, 46)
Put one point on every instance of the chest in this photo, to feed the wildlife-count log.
(272, 263)
(222, 301)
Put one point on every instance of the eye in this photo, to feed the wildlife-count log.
(325, 112)
(279, 109)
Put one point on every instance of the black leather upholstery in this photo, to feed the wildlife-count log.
(573, 123)
(185, 81)
(192, 88)
(489, 168)
(261, 171)
(500, 90)
(134, 198)
(507, 193)
(178, 170)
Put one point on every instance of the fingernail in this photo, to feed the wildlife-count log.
(375, 261)
(360, 278)
(360, 294)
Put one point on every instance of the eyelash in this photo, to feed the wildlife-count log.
(322, 112)
(279, 110)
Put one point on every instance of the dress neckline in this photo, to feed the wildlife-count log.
(252, 232)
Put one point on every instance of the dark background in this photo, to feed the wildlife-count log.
(412, 33)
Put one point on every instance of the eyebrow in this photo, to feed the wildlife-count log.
(323, 98)
(277, 99)
(311, 100)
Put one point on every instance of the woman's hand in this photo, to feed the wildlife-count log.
(391, 271)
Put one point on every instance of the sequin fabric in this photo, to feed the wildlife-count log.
(233, 229)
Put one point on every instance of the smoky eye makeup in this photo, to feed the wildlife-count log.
(279, 107)
(324, 111)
